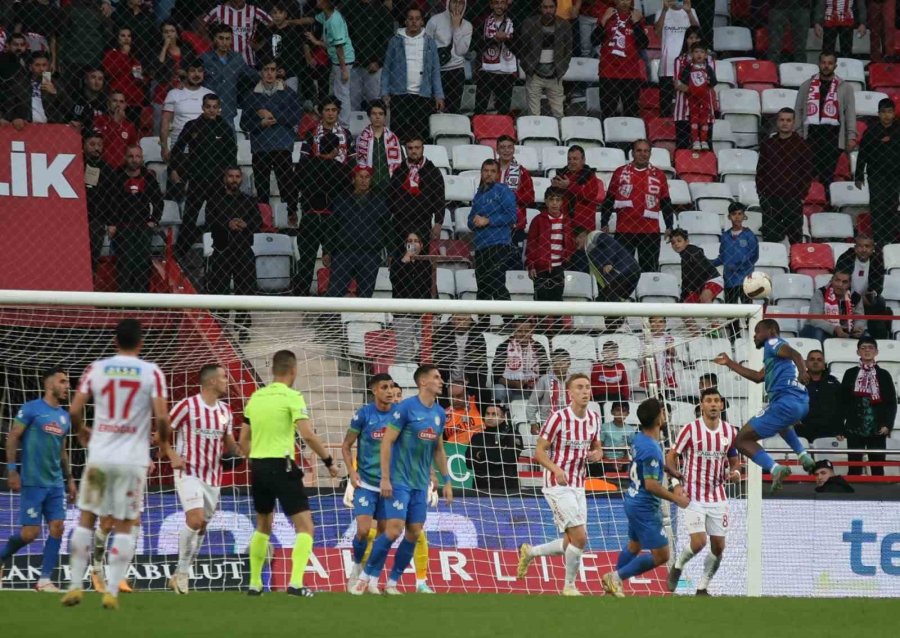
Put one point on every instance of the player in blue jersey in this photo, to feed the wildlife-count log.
(784, 373)
(643, 502)
(412, 442)
(42, 426)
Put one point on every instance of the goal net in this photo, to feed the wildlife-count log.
(489, 353)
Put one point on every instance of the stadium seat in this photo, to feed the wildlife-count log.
(736, 39)
(789, 327)
(592, 99)
(150, 148)
(623, 130)
(468, 157)
(458, 188)
(660, 158)
(838, 248)
(737, 164)
(490, 127)
(700, 224)
(706, 349)
(891, 254)
(402, 374)
(756, 75)
(579, 286)
(867, 103)
(846, 197)
(696, 166)
(586, 131)
(538, 131)
(853, 71)
(680, 193)
(746, 194)
(884, 76)
(657, 287)
(274, 261)
(438, 156)
(841, 351)
(741, 108)
(529, 157)
(541, 184)
(578, 346)
(723, 136)
(792, 290)
(604, 160)
(661, 133)
(803, 345)
(383, 287)
(461, 221)
(831, 226)
(554, 157)
(648, 103)
(466, 286)
(244, 155)
(793, 74)
(520, 285)
(581, 70)
(773, 258)
(448, 129)
(171, 214)
(815, 201)
(380, 349)
(711, 196)
(773, 100)
(888, 350)
(832, 443)
(725, 75)
(812, 259)
(358, 121)
(445, 283)
(891, 290)
(630, 346)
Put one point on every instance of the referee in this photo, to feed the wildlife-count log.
(272, 415)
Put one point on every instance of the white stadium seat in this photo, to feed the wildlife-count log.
(792, 290)
(541, 130)
(700, 224)
(793, 74)
(438, 156)
(458, 188)
(846, 196)
(737, 164)
(657, 287)
(828, 225)
(528, 157)
(852, 70)
(586, 131)
(867, 103)
(773, 100)
(554, 157)
(732, 39)
(274, 261)
(468, 157)
(623, 130)
(773, 258)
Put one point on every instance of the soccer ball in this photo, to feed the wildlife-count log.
(757, 285)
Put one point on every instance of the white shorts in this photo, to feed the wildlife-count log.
(569, 506)
(113, 490)
(194, 494)
(711, 518)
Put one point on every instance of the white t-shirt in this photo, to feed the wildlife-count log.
(859, 281)
(123, 389)
(675, 24)
(187, 105)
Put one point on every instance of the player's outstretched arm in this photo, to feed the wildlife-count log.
(304, 427)
(757, 376)
(347, 454)
(391, 434)
(440, 459)
(541, 456)
(12, 453)
(787, 352)
(678, 496)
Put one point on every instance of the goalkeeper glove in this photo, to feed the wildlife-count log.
(432, 496)
(348, 495)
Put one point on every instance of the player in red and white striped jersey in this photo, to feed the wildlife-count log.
(708, 460)
(203, 430)
(243, 19)
(569, 440)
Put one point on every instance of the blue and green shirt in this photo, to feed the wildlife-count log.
(369, 423)
(646, 462)
(421, 429)
(46, 428)
(780, 373)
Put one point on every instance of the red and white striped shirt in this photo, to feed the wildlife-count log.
(570, 441)
(681, 111)
(704, 453)
(556, 242)
(200, 431)
(243, 24)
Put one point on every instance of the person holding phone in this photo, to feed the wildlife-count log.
(43, 102)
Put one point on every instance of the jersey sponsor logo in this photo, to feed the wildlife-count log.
(378, 434)
(112, 428)
(428, 434)
(397, 414)
(20, 415)
(53, 428)
(131, 372)
(209, 434)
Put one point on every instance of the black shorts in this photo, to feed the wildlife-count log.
(279, 479)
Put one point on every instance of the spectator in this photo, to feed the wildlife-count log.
(519, 181)
(493, 455)
(550, 244)
(411, 278)
(661, 348)
(879, 155)
(41, 100)
(681, 107)
(838, 300)
(233, 219)
(244, 19)
(826, 117)
(491, 219)
(330, 108)
(616, 437)
(784, 14)
(697, 81)
(225, 73)
(584, 190)
(497, 74)
(609, 378)
(710, 380)
(204, 152)
(118, 133)
(700, 281)
(866, 268)
(452, 34)
(882, 15)
(126, 74)
(371, 23)
(458, 350)
(90, 102)
(549, 394)
(134, 213)
(84, 31)
(15, 81)
(322, 177)
(463, 419)
(166, 68)
(270, 116)
(416, 195)
(544, 54)
(412, 77)
(638, 193)
(135, 15)
(379, 148)
(671, 26)
(518, 364)
(613, 266)
(196, 34)
(99, 190)
(783, 153)
(738, 253)
(359, 230)
(336, 40)
(621, 39)
(285, 41)
(39, 21)
(829, 482)
(836, 19)
(870, 406)
(824, 416)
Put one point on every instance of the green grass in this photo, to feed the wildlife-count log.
(222, 615)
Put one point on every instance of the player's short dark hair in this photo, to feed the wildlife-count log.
(866, 340)
(828, 53)
(819, 350)
(422, 370)
(17, 36)
(734, 207)
(553, 191)
(842, 272)
(709, 392)
(283, 362)
(218, 28)
(378, 378)
(36, 55)
(92, 133)
(609, 344)
(622, 406)
(232, 167)
(209, 97)
(193, 62)
(498, 406)
(376, 104)
(787, 109)
(268, 59)
(413, 8)
(577, 377)
(505, 138)
(886, 104)
(52, 371)
(129, 333)
(576, 147)
(698, 45)
(709, 376)
(648, 411)
(415, 137)
(329, 100)
(679, 232)
(771, 324)
(207, 371)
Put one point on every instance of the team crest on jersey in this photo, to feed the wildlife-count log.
(437, 420)
(698, 78)
(428, 435)
(397, 415)
(53, 428)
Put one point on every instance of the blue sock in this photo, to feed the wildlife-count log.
(642, 563)
(51, 556)
(13, 544)
(790, 437)
(625, 557)
(380, 549)
(763, 460)
(359, 548)
(402, 558)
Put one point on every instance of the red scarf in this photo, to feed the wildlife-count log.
(512, 176)
(343, 138)
(365, 147)
(867, 383)
(838, 307)
(839, 13)
(411, 185)
(497, 56)
(621, 35)
(831, 112)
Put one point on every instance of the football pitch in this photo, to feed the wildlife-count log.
(221, 615)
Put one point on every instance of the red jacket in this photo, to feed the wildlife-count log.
(584, 194)
(116, 138)
(610, 382)
(537, 249)
(126, 75)
(620, 53)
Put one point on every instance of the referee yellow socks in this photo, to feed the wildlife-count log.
(259, 549)
(299, 557)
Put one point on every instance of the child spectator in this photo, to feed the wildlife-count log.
(700, 281)
(550, 391)
(661, 347)
(550, 244)
(738, 253)
(616, 436)
(697, 81)
(609, 378)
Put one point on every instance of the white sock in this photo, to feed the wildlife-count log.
(391, 583)
(79, 555)
(120, 555)
(136, 533)
(686, 554)
(573, 562)
(195, 547)
(186, 540)
(553, 548)
(99, 550)
(710, 567)
(363, 576)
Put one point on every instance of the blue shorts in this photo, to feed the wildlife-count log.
(782, 413)
(646, 527)
(365, 502)
(36, 503)
(409, 505)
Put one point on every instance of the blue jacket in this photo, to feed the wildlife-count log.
(604, 250)
(498, 204)
(223, 79)
(358, 224)
(393, 76)
(738, 255)
(285, 106)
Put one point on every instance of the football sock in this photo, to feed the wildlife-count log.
(300, 557)
(625, 557)
(402, 558)
(641, 563)
(762, 459)
(420, 558)
(136, 532)
(710, 567)
(553, 548)
(51, 556)
(259, 550)
(120, 554)
(100, 538)
(79, 554)
(360, 545)
(790, 437)
(573, 563)
(186, 541)
(373, 534)
(686, 554)
(380, 549)
(13, 544)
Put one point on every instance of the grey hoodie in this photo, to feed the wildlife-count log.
(440, 28)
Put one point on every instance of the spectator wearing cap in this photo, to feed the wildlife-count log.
(879, 156)
(226, 71)
(700, 281)
(549, 246)
(839, 300)
(90, 101)
(824, 389)
(738, 253)
(827, 482)
(869, 403)
(865, 263)
(416, 195)
(329, 111)
(491, 218)
(118, 133)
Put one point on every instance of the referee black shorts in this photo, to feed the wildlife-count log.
(279, 479)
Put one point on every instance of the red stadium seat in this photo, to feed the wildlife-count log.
(380, 347)
(661, 132)
(756, 75)
(740, 10)
(842, 169)
(268, 219)
(648, 103)
(307, 124)
(490, 127)
(815, 201)
(861, 127)
(812, 259)
(696, 166)
(761, 41)
(883, 76)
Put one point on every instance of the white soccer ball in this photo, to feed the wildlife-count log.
(757, 285)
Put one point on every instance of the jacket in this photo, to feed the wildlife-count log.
(696, 270)
(416, 212)
(221, 209)
(393, 76)
(204, 149)
(493, 458)
(320, 182)
(100, 196)
(824, 416)
(779, 157)
(284, 106)
(373, 20)
(846, 103)
(604, 250)
(530, 42)
(847, 260)
(836, 485)
(537, 249)
(879, 155)
(134, 208)
(858, 419)
(17, 99)
(498, 204)
(225, 80)
(738, 255)
(359, 223)
(817, 307)
(859, 12)
(584, 194)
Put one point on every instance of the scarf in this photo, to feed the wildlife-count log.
(343, 139)
(837, 307)
(496, 57)
(867, 383)
(512, 176)
(618, 43)
(830, 115)
(411, 185)
(839, 13)
(521, 363)
(365, 148)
